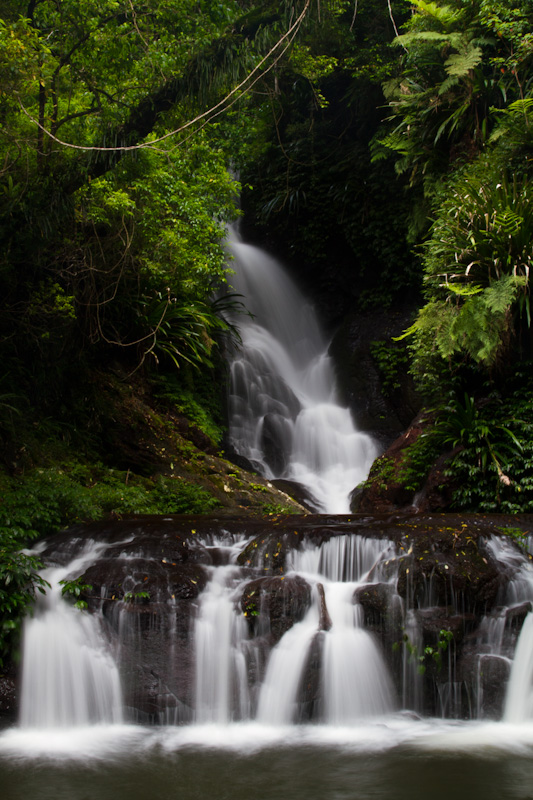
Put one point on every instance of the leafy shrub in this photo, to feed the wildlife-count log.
(493, 472)
(18, 583)
(392, 361)
(477, 263)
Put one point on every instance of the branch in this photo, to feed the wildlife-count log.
(129, 136)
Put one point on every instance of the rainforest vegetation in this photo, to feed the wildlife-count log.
(384, 147)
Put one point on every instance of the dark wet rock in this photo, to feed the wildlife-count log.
(433, 621)
(133, 578)
(274, 604)
(157, 662)
(494, 674)
(147, 605)
(242, 462)
(381, 605)
(516, 615)
(384, 490)
(310, 694)
(487, 675)
(8, 695)
(384, 408)
(276, 435)
(324, 619)
(390, 486)
(298, 492)
(448, 565)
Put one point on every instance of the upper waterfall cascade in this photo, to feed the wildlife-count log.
(285, 414)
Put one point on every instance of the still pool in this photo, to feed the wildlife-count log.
(394, 759)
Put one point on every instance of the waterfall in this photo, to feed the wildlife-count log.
(284, 411)
(68, 677)
(221, 682)
(354, 681)
(519, 696)
(278, 698)
(271, 622)
(519, 700)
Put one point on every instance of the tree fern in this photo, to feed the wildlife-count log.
(459, 64)
(444, 14)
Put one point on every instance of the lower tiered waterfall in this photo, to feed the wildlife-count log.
(321, 653)
(332, 628)
(284, 410)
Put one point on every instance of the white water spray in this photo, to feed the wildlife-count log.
(221, 680)
(285, 413)
(519, 700)
(69, 677)
(354, 681)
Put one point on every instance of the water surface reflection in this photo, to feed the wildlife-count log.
(395, 760)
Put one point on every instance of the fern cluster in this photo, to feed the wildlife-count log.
(477, 264)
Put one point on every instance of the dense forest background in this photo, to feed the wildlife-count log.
(382, 147)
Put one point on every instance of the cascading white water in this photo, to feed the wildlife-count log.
(222, 692)
(285, 414)
(519, 696)
(355, 683)
(278, 698)
(68, 677)
(519, 700)
(221, 680)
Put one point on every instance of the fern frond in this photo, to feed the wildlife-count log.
(460, 64)
(507, 222)
(464, 291)
(406, 39)
(501, 294)
(448, 83)
(443, 14)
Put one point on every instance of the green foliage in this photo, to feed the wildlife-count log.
(382, 473)
(180, 332)
(411, 470)
(430, 652)
(445, 638)
(132, 597)
(315, 192)
(460, 62)
(418, 459)
(202, 407)
(50, 499)
(73, 589)
(477, 263)
(18, 583)
(493, 470)
(272, 509)
(47, 500)
(462, 424)
(392, 361)
(96, 244)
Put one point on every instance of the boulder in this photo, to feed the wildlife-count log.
(274, 604)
